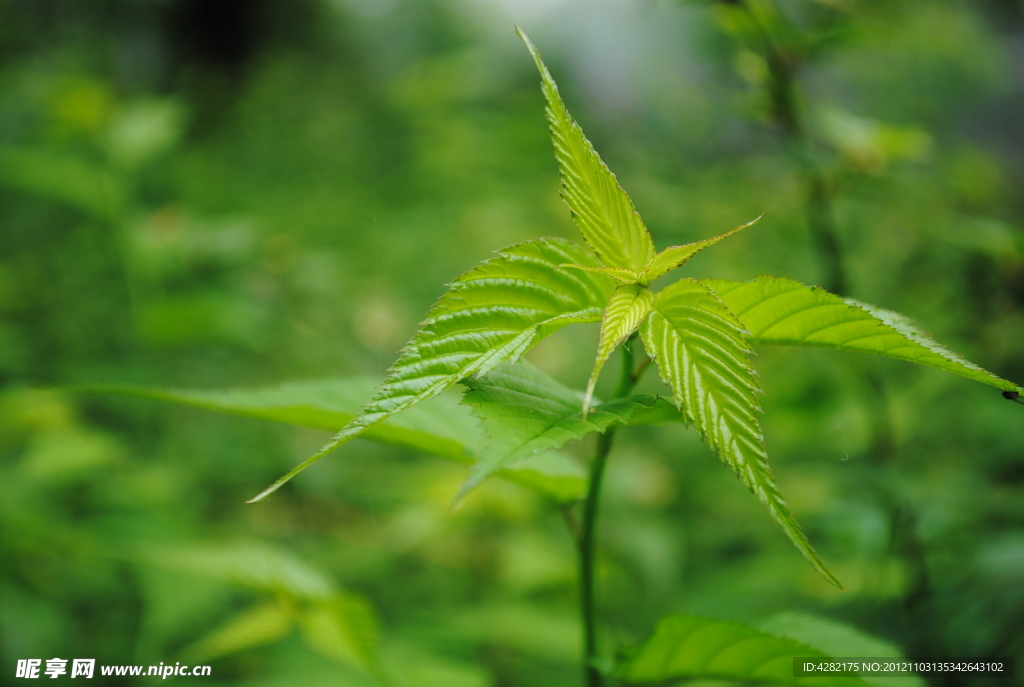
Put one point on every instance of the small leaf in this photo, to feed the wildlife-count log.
(687, 647)
(675, 256)
(628, 307)
(702, 356)
(250, 565)
(785, 312)
(252, 627)
(327, 404)
(603, 212)
(63, 178)
(343, 628)
(620, 275)
(493, 313)
(525, 412)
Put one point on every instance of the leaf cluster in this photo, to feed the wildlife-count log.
(698, 332)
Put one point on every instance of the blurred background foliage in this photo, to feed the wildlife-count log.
(233, 194)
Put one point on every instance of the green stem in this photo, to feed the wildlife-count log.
(784, 95)
(588, 527)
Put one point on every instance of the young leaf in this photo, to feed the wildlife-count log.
(525, 412)
(603, 212)
(687, 647)
(256, 626)
(493, 313)
(674, 256)
(785, 312)
(702, 356)
(343, 628)
(628, 307)
(620, 275)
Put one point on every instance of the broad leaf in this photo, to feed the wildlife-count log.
(782, 311)
(840, 640)
(525, 412)
(343, 628)
(63, 178)
(702, 356)
(628, 307)
(256, 626)
(686, 647)
(493, 313)
(250, 565)
(434, 426)
(430, 427)
(675, 256)
(603, 212)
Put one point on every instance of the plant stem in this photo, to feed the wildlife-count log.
(783, 91)
(588, 528)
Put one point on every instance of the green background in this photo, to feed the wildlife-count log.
(219, 195)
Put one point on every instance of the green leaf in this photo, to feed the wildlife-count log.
(841, 641)
(687, 647)
(63, 178)
(702, 356)
(675, 256)
(343, 628)
(493, 313)
(603, 212)
(252, 627)
(628, 307)
(250, 565)
(785, 312)
(525, 412)
(430, 427)
(436, 426)
(620, 275)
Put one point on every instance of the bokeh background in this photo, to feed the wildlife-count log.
(235, 194)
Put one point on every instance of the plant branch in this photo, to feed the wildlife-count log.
(638, 372)
(786, 112)
(588, 528)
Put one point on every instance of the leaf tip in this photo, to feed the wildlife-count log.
(266, 492)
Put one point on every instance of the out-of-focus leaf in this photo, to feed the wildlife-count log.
(412, 666)
(63, 178)
(528, 627)
(525, 412)
(686, 647)
(839, 640)
(252, 627)
(436, 428)
(868, 144)
(785, 312)
(493, 313)
(143, 129)
(603, 212)
(251, 565)
(63, 455)
(702, 356)
(343, 628)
